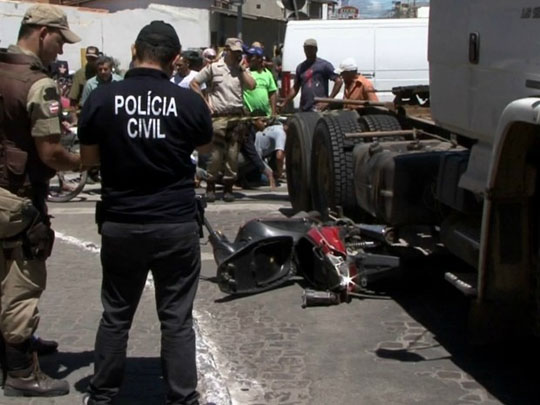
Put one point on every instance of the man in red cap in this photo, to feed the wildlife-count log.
(30, 131)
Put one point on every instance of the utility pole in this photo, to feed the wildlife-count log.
(239, 4)
(295, 9)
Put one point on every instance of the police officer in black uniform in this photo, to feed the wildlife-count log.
(142, 131)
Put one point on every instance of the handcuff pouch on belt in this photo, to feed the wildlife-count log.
(21, 224)
(13, 175)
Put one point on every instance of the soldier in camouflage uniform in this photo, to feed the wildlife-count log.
(31, 152)
(225, 80)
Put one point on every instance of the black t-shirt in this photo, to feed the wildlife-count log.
(146, 128)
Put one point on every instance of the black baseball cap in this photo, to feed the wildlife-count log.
(92, 52)
(159, 33)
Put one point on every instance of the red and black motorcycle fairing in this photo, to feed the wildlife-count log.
(331, 256)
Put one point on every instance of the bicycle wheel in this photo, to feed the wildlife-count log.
(66, 185)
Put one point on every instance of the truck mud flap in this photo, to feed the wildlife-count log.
(258, 266)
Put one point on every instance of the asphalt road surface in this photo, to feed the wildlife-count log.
(404, 342)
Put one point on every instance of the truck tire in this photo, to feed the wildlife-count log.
(298, 159)
(380, 122)
(332, 183)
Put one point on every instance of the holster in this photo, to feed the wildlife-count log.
(38, 241)
(239, 132)
(201, 205)
(100, 216)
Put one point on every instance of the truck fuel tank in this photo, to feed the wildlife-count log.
(395, 181)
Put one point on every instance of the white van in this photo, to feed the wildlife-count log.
(391, 52)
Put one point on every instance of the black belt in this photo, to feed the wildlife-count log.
(230, 114)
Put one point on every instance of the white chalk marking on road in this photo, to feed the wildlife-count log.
(242, 389)
(73, 211)
(89, 246)
(211, 378)
(214, 383)
(205, 256)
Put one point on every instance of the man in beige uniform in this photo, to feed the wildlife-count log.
(30, 142)
(225, 80)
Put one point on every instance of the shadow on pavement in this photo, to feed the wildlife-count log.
(288, 212)
(229, 298)
(402, 355)
(508, 371)
(366, 295)
(143, 382)
(62, 364)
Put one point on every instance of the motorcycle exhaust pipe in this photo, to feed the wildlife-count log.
(312, 298)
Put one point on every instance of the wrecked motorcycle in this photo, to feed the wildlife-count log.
(338, 258)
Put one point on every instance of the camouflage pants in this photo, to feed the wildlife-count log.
(22, 281)
(223, 160)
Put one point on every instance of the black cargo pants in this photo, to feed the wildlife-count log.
(172, 253)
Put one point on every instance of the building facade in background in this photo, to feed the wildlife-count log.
(263, 20)
(200, 23)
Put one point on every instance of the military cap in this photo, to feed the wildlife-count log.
(50, 16)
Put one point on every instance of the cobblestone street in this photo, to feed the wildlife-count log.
(403, 345)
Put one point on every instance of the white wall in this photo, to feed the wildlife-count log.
(118, 5)
(114, 32)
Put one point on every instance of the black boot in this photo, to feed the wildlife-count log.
(25, 378)
(210, 191)
(228, 195)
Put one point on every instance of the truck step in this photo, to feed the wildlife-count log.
(464, 282)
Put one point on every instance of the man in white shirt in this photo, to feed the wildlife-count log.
(270, 144)
(184, 75)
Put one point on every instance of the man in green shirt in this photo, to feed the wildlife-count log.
(263, 96)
